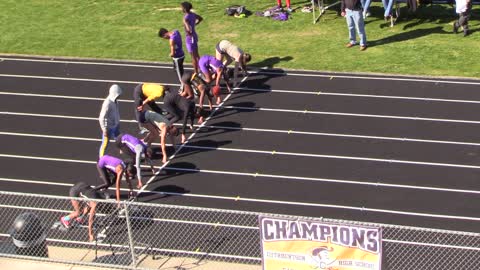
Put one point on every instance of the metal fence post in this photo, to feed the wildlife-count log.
(130, 235)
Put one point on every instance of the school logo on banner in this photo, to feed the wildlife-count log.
(301, 245)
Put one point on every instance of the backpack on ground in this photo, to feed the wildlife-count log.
(281, 16)
(235, 10)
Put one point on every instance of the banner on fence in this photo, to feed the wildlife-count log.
(302, 244)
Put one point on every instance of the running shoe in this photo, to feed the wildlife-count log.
(65, 221)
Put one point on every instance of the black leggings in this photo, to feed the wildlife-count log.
(107, 178)
(178, 67)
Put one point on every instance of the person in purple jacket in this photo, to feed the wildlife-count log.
(136, 150)
(213, 69)
(190, 20)
(176, 49)
(112, 169)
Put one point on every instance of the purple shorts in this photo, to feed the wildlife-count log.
(191, 43)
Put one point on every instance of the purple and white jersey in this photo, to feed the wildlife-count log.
(132, 141)
(209, 64)
(191, 19)
(110, 163)
(177, 44)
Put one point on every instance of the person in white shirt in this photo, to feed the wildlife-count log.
(227, 52)
(463, 9)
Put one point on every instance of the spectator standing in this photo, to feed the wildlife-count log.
(190, 20)
(387, 6)
(366, 6)
(176, 49)
(279, 4)
(463, 9)
(352, 11)
(109, 118)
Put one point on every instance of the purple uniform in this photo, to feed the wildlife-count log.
(177, 44)
(131, 141)
(209, 64)
(191, 41)
(110, 163)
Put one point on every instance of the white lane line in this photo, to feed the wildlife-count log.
(343, 135)
(343, 207)
(273, 152)
(249, 108)
(37, 182)
(49, 159)
(244, 150)
(398, 97)
(334, 206)
(55, 96)
(269, 152)
(49, 136)
(339, 114)
(325, 93)
(262, 130)
(263, 90)
(257, 71)
(189, 138)
(77, 79)
(270, 176)
(80, 62)
(327, 180)
(360, 77)
(59, 116)
(306, 111)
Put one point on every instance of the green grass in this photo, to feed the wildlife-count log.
(420, 45)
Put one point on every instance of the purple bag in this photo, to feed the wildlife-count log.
(281, 16)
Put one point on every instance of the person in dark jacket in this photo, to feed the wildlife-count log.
(352, 11)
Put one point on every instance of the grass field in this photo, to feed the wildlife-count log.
(422, 44)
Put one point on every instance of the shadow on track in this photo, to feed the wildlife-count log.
(201, 146)
(217, 129)
(240, 107)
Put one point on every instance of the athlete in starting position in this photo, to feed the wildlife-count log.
(213, 70)
(229, 52)
(158, 126)
(111, 170)
(137, 150)
(82, 190)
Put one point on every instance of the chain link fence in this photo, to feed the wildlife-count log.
(134, 235)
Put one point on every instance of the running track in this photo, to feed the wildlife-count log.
(396, 150)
